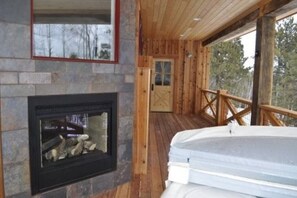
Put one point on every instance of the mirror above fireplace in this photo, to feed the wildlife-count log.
(75, 30)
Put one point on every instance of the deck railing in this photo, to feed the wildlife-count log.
(222, 108)
(275, 116)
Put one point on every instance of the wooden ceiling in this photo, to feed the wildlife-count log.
(174, 19)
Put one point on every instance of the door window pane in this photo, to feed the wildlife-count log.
(167, 80)
(158, 79)
(158, 67)
(167, 67)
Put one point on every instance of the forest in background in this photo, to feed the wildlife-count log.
(85, 41)
(229, 72)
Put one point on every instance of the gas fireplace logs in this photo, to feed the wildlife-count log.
(72, 145)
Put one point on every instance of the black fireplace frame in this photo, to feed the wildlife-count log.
(71, 170)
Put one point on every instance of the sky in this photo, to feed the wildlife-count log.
(249, 42)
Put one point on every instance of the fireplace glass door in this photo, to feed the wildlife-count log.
(71, 138)
(73, 135)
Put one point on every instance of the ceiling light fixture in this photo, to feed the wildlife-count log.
(196, 19)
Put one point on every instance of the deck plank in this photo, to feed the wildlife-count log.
(162, 127)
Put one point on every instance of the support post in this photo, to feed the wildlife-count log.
(141, 134)
(263, 69)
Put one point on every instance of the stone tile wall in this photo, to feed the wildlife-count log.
(21, 77)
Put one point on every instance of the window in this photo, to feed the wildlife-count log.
(75, 30)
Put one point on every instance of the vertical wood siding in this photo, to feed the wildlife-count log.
(191, 73)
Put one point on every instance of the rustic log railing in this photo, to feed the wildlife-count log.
(209, 109)
(271, 115)
(222, 108)
(220, 103)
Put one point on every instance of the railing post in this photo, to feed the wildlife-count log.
(263, 119)
(221, 110)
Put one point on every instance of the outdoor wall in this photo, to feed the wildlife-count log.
(191, 70)
(20, 76)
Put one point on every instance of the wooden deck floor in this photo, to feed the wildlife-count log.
(163, 126)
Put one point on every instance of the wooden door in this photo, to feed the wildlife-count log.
(162, 85)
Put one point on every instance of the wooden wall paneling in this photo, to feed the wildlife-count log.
(179, 73)
(145, 61)
(189, 82)
(175, 47)
(144, 47)
(186, 80)
(182, 80)
(163, 47)
(168, 47)
(155, 47)
(193, 77)
(199, 78)
(161, 50)
(189, 71)
(151, 47)
(160, 47)
(175, 86)
(142, 119)
(148, 47)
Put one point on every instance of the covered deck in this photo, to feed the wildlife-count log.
(162, 127)
(184, 32)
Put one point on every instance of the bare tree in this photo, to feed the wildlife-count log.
(49, 40)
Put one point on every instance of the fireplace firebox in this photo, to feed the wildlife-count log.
(71, 138)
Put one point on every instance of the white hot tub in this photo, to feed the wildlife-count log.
(255, 160)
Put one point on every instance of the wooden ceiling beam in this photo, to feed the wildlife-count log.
(230, 30)
(271, 8)
(275, 5)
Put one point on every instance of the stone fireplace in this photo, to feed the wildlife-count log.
(76, 136)
(21, 77)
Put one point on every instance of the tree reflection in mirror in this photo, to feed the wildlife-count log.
(74, 29)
